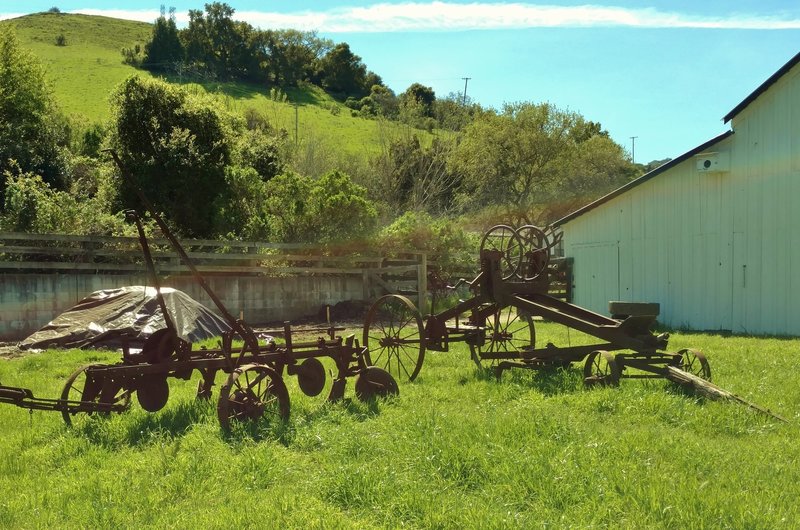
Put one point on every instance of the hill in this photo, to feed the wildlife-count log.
(89, 66)
(84, 71)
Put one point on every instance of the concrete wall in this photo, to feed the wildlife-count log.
(29, 301)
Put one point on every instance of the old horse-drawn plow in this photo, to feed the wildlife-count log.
(497, 321)
(255, 368)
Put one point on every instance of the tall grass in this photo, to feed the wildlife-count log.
(456, 449)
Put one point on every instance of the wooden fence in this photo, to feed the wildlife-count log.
(402, 272)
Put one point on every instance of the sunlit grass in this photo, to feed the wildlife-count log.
(84, 73)
(455, 449)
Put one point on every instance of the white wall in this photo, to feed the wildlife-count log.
(30, 301)
(718, 250)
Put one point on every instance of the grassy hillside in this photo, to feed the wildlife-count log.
(456, 449)
(87, 69)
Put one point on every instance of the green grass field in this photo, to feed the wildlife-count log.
(85, 71)
(456, 449)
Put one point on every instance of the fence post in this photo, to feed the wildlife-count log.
(422, 284)
(367, 295)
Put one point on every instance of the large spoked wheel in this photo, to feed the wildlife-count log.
(394, 337)
(252, 392)
(508, 335)
(535, 251)
(85, 394)
(375, 382)
(695, 362)
(504, 239)
(601, 369)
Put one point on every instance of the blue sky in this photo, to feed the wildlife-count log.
(665, 72)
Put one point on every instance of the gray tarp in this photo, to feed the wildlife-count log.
(106, 317)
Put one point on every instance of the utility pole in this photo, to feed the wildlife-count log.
(464, 99)
(633, 148)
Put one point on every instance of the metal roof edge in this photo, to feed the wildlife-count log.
(762, 88)
(644, 178)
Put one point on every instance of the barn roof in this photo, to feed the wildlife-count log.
(644, 178)
(763, 88)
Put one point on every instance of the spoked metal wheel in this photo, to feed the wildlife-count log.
(375, 382)
(535, 251)
(96, 395)
(601, 369)
(394, 337)
(504, 239)
(508, 334)
(252, 392)
(695, 362)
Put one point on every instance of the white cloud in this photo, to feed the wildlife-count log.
(444, 16)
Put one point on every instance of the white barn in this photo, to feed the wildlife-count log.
(714, 235)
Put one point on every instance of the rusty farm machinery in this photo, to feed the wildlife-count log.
(497, 324)
(497, 321)
(254, 387)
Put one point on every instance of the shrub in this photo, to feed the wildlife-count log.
(447, 244)
(61, 40)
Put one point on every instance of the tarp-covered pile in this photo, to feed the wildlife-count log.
(111, 317)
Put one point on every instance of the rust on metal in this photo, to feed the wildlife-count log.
(254, 387)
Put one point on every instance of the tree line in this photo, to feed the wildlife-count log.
(215, 46)
(216, 173)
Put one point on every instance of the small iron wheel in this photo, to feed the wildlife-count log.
(535, 251)
(694, 362)
(394, 337)
(508, 333)
(506, 240)
(375, 382)
(251, 392)
(601, 369)
(97, 395)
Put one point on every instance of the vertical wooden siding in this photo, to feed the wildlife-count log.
(717, 250)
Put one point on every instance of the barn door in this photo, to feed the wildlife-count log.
(596, 275)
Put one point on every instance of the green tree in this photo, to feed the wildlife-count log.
(418, 177)
(340, 209)
(217, 44)
(32, 131)
(176, 146)
(342, 71)
(290, 55)
(421, 97)
(165, 48)
(530, 155)
(331, 208)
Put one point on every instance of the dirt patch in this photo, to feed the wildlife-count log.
(10, 350)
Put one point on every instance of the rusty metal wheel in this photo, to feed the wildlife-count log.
(508, 334)
(601, 369)
(95, 394)
(504, 239)
(252, 392)
(535, 251)
(695, 362)
(394, 337)
(375, 382)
